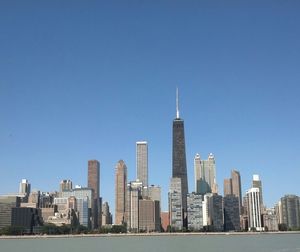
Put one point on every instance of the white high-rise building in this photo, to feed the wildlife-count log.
(142, 162)
(254, 209)
(24, 187)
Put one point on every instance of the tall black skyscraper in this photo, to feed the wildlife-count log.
(179, 157)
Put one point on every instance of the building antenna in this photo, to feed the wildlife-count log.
(177, 104)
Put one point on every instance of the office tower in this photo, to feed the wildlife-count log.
(231, 213)
(227, 187)
(24, 187)
(256, 183)
(270, 220)
(194, 212)
(65, 185)
(237, 187)
(134, 194)
(94, 183)
(232, 186)
(142, 162)
(205, 175)
(179, 157)
(290, 211)
(34, 197)
(213, 214)
(6, 205)
(175, 204)
(149, 215)
(120, 191)
(254, 210)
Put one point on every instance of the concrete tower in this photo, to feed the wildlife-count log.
(120, 192)
(142, 162)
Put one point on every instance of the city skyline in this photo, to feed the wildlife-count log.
(104, 78)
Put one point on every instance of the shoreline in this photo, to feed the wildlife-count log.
(143, 235)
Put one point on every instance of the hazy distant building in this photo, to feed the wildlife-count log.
(6, 205)
(84, 204)
(94, 183)
(149, 215)
(290, 211)
(179, 169)
(142, 162)
(270, 220)
(106, 215)
(227, 187)
(205, 175)
(165, 220)
(194, 212)
(231, 213)
(34, 197)
(154, 193)
(254, 210)
(120, 191)
(256, 183)
(24, 187)
(175, 204)
(65, 185)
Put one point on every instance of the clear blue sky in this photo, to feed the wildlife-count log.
(84, 80)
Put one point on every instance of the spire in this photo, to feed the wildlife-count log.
(177, 104)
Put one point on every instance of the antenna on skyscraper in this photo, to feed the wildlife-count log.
(177, 104)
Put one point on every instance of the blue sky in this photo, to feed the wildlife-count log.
(84, 80)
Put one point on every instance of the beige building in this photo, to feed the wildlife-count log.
(120, 192)
(149, 215)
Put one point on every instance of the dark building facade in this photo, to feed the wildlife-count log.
(6, 204)
(179, 158)
(26, 217)
(231, 213)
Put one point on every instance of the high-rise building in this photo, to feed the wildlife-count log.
(149, 215)
(142, 162)
(24, 187)
(175, 204)
(227, 187)
(290, 211)
(194, 212)
(65, 185)
(254, 210)
(231, 213)
(232, 186)
(179, 156)
(205, 175)
(154, 193)
(134, 194)
(94, 183)
(237, 187)
(120, 192)
(256, 183)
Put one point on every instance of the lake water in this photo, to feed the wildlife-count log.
(182, 243)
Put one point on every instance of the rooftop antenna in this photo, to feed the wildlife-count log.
(177, 104)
